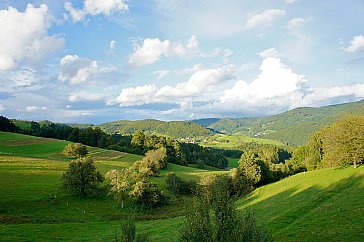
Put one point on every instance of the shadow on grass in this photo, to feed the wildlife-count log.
(333, 213)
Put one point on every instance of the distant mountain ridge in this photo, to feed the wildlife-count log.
(174, 129)
(293, 127)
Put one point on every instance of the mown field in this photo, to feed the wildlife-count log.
(234, 141)
(323, 205)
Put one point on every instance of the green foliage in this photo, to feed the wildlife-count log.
(324, 204)
(178, 186)
(6, 125)
(174, 129)
(82, 177)
(343, 142)
(119, 182)
(198, 225)
(76, 150)
(138, 138)
(250, 231)
(338, 144)
(147, 194)
(225, 223)
(247, 175)
(127, 230)
(152, 162)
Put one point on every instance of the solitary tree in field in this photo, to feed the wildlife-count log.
(119, 181)
(82, 177)
(76, 150)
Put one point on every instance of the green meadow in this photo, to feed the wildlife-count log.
(326, 204)
(235, 140)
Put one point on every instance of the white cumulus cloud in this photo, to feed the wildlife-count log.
(197, 85)
(85, 96)
(264, 18)
(24, 36)
(153, 49)
(274, 80)
(356, 45)
(35, 108)
(95, 7)
(78, 70)
(134, 96)
(77, 15)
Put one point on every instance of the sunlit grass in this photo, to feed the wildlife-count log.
(318, 205)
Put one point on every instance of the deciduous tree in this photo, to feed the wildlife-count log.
(76, 150)
(82, 177)
(120, 183)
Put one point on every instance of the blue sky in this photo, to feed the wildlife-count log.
(104, 60)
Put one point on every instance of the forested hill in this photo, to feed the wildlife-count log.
(174, 129)
(293, 127)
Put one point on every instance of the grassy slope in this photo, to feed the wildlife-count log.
(33, 206)
(325, 204)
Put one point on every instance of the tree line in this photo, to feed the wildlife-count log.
(178, 152)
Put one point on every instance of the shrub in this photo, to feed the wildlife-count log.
(82, 177)
(128, 232)
(147, 194)
(153, 161)
(76, 150)
(224, 223)
(176, 185)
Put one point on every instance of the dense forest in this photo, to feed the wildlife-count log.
(173, 129)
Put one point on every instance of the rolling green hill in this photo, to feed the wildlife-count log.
(34, 207)
(174, 129)
(323, 205)
(293, 127)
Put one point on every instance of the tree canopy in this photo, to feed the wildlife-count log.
(82, 177)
